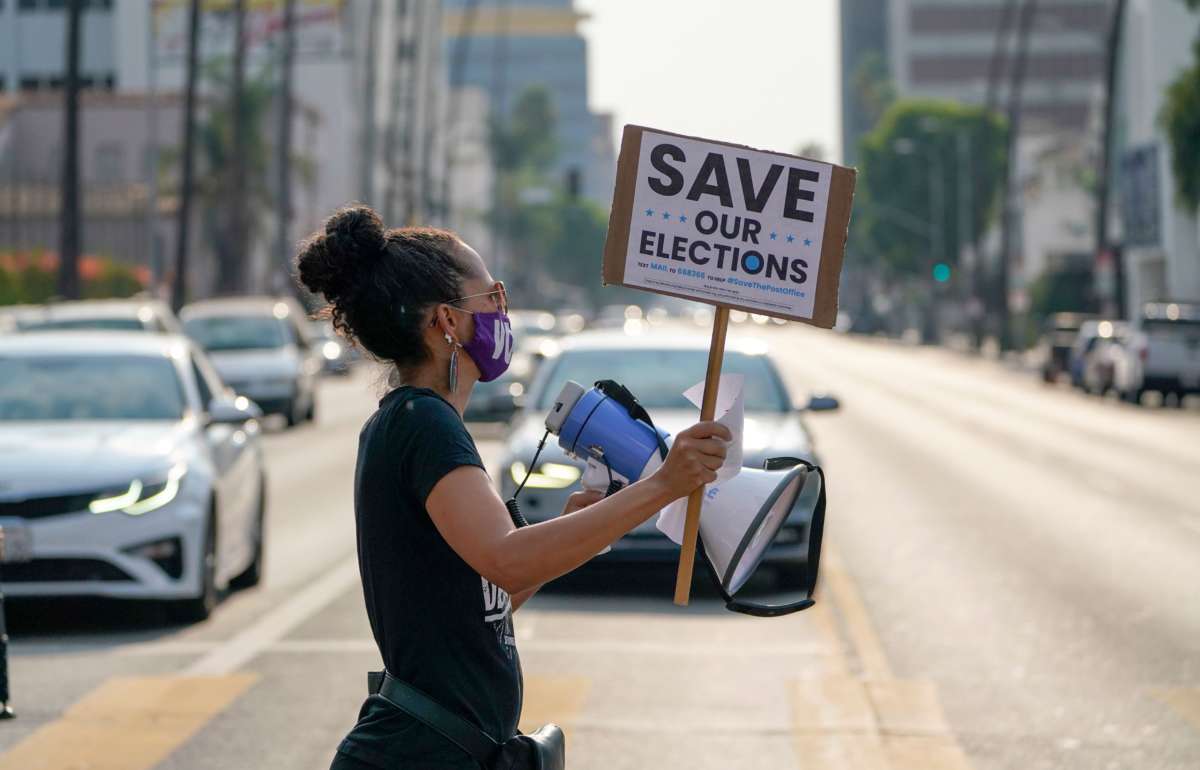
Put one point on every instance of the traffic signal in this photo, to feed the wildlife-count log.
(941, 272)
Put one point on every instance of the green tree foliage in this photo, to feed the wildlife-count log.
(1180, 118)
(214, 172)
(872, 88)
(526, 141)
(1066, 288)
(551, 235)
(914, 146)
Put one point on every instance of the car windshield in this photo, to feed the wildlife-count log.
(57, 324)
(89, 388)
(659, 377)
(244, 332)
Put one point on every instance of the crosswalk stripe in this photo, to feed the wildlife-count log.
(557, 699)
(873, 721)
(127, 723)
(869, 725)
(1186, 702)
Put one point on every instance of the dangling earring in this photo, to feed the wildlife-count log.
(453, 364)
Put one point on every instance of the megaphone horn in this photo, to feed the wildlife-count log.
(741, 518)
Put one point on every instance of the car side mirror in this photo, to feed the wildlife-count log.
(823, 403)
(232, 411)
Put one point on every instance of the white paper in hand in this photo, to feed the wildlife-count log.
(730, 412)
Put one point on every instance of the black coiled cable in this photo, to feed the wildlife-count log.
(514, 509)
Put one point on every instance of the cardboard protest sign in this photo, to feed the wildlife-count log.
(728, 225)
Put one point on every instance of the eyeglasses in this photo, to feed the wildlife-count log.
(498, 294)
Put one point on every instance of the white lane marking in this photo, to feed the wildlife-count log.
(607, 647)
(118, 649)
(234, 653)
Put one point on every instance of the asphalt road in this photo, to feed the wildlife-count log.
(1012, 580)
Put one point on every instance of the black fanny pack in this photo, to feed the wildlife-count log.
(545, 749)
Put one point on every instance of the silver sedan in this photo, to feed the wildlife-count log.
(127, 470)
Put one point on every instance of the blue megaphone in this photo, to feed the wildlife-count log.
(606, 428)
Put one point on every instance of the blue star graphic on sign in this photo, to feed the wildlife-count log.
(808, 242)
(666, 215)
(791, 238)
(649, 212)
(682, 218)
(774, 236)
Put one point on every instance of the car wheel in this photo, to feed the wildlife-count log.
(311, 414)
(252, 575)
(199, 608)
(1132, 396)
(289, 413)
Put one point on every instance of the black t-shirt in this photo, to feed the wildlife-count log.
(439, 625)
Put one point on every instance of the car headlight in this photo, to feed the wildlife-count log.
(331, 350)
(142, 497)
(547, 476)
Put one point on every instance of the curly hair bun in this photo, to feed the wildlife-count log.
(334, 262)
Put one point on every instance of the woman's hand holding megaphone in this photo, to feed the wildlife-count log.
(694, 458)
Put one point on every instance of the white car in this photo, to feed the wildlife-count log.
(264, 350)
(134, 314)
(1162, 353)
(127, 470)
(1098, 365)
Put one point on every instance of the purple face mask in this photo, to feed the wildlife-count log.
(491, 347)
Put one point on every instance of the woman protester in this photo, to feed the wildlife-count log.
(442, 564)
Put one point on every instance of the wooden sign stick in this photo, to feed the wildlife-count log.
(708, 405)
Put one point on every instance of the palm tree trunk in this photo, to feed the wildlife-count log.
(69, 224)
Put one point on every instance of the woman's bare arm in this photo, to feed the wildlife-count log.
(471, 517)
(575, 501)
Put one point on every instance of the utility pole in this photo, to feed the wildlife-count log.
(1016, 84)
(234, 267)
(152, 254)
(981, 295)
(68, 242)
(179, 285)
(1111, 305)
(283, 245)
(367, 160)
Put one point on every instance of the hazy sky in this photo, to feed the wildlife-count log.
(756, 72)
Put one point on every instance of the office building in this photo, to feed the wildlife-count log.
(509, 46)
(864, 53)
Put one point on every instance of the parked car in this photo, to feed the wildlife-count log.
(1059, 333)
(135, 314)
(1085, 339)
(127, 470)
(657, 369)
(498, 400)
(337, 354)
(1162, 353)
(1099, 363)
(263, 349)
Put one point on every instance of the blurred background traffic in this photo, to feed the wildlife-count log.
(1007, 410)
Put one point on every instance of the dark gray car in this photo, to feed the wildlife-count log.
(657, 369)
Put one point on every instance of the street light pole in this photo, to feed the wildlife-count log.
(1007, 223)
(179, 285)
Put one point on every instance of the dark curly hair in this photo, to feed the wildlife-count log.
(379, 282)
